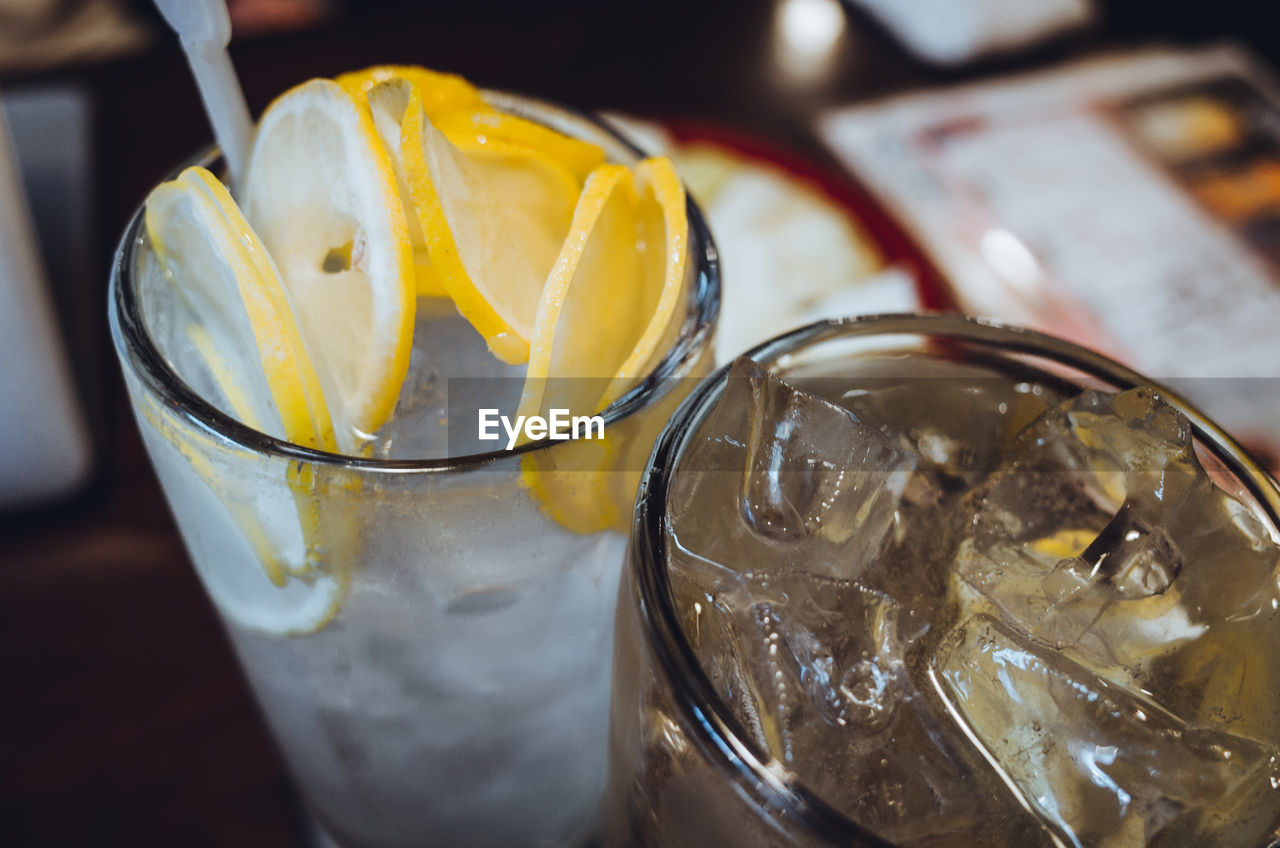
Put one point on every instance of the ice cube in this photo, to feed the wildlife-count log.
(781, 479)
(1235, 554)
(706, 603)
(1067, 540)
(1069, 471)
(959, 421)
(1081, 539)
(813, 469)
(1113, 604)
(1228, 583)
(1137, 560)
(1098, 764)
(1128, 446)
(827, 665)
(836, 643)
(451, 377)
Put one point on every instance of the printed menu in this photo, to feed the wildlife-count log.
(1130, 203)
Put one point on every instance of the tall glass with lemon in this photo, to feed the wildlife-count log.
(425, 616)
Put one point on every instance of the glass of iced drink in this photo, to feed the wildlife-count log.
(425, 616)
(926, 581)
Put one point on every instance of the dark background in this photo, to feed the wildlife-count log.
(123, 717)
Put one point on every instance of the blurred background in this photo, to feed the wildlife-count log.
(1109, 171)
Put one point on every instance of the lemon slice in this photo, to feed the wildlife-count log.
(494, 216)
(321, 192)
(254, 352)
(440, 92)
(573, 484)
(387, 101)
(225, 519)
(224, 271)
(385, 89)
(477, 127)
(606, 314)
(585, 324)
(609, 303)
(663, 259)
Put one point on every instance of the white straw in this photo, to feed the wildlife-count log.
(204, 28)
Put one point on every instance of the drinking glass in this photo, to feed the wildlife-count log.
(429, 643)
(684, 769)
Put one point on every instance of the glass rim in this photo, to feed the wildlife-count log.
(139, 352)
(717, 733)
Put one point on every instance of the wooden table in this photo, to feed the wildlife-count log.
(124, 719)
